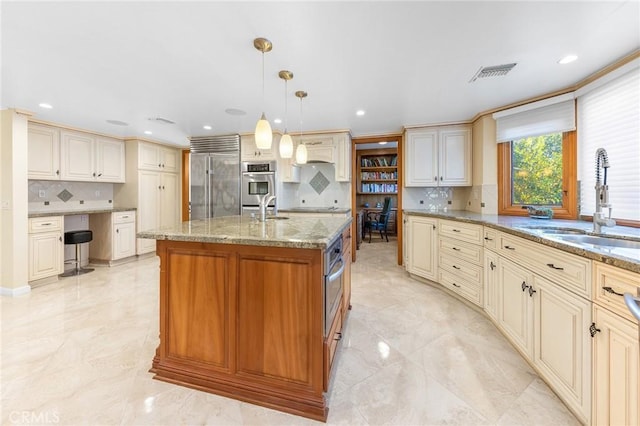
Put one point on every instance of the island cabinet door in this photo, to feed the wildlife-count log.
(195, 287)
(279, 321)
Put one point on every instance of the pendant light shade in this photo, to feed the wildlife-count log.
(301, 151)
(301, 154)
(263, 134)
(286, 143)
(286, 146)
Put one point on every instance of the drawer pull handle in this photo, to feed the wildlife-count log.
(509, 248)
(492, 265)
(47, 224)
(455, 230)
(455, 285)
(488, 239)
(455, 248)
(456, 267)
(612, 291)
(60, 239)
(593, 330)
(125, 217)
(117, 231)
(339, 336)
(552, 266)
(524, 286)
(531, 291)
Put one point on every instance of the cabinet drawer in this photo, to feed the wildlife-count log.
(460, 268)
(459, 250)
(490, 238)
(45, 224)
(470, 291)
(331, 345)
(461, 231)
(610, 283)
(564, 269)
(124, 217)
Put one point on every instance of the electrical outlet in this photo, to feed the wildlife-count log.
(481, 204)
(42, 193)
(421, 201)
(97, 194)
(335, 201)
(81, 201)
(448, 201)
(302, 201)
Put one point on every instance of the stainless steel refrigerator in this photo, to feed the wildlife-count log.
(215, 176)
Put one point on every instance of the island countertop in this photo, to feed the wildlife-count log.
(293, 232)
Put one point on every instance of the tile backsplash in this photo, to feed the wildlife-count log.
(317, 188)
(49, 195)
(437, 198)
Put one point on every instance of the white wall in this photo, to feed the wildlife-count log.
(13, 203)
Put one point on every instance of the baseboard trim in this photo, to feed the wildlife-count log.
(14, 292)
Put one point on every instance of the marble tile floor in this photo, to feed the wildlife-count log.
(78, 352)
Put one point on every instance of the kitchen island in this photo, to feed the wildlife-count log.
(242, 306)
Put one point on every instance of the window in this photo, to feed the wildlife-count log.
(538, 171)
(609, 118)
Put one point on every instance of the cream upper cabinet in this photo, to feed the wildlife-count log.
(422, 246)
(343, 157)
(616, 369)
(439, 156)
(288, 171)
(249, 151)
(329, 148)
(78, 156)
(110, 160)
(562, 343)
(43, 152)
(152, 156)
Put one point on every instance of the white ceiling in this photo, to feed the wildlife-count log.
(405, 63)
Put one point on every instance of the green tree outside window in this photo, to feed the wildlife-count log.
(536, 170)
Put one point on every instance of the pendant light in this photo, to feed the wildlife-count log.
(263, 134)
(301, 151)
(286, 144)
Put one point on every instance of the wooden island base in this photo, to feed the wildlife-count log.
(245, 322)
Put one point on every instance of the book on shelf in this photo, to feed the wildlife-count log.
(380, 161)
(379, 175)
(372, 188)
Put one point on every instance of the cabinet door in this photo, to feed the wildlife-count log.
(422, 238)
(169, 199)
(454, 154)
(346, 280)
(616, 372)
(124, 240)
(343, 158)
(287, 171)
(78, 157)
(421, 158)
(110, 160)
(169, 159)
(515, 310)
(45, 255)
(563, 344)
(491, 284)
(149, 156)
(148, 208)
(249, 151)
(43, 152)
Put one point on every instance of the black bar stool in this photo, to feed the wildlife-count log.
(77, 238)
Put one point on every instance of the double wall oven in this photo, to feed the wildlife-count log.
(332, 289)
(258, 180)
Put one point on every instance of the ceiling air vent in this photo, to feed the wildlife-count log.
(161, 120)
(492, 71)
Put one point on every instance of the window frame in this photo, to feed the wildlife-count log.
(569, 208)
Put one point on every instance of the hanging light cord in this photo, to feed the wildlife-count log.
(285, 107)
(263, 82)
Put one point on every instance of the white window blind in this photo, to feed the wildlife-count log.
(609, 118)
(555, 115)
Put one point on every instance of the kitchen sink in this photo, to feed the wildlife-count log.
(599, 241)
(553, 230)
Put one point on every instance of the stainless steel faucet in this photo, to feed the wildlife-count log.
(264, 202)
(602, 193)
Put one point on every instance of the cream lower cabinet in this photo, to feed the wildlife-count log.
(422, 246)
(490, 280)
(117, 233)
(562, 343)
(46, 247)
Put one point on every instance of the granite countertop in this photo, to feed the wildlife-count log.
(72, 212)
(625, 258)
(294, 232)
(314, 210)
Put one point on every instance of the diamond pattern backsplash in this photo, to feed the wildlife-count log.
(65, 195)
(319, 182)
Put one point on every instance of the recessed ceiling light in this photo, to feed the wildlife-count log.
(235, 111)
(148, 132)
(206, 127)
(360, 112)
(567, 59)
(277, 120)
(117, 123)
(44, 105)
